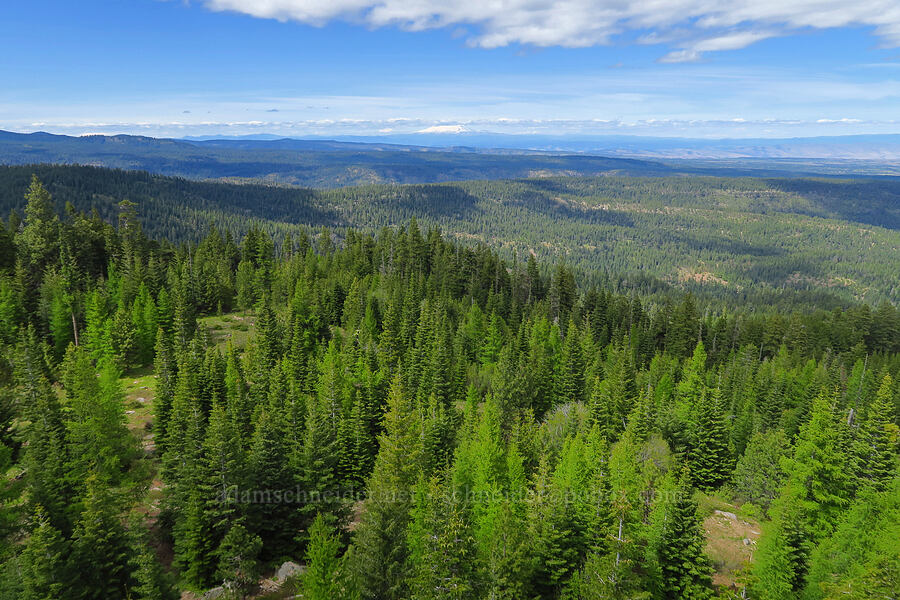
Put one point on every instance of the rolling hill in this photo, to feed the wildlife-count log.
(759, 241)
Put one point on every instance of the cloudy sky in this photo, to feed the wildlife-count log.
(695, 68)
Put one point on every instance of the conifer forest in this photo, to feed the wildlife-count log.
(392, 410)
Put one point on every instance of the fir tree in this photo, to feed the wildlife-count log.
(38, 240)
(44, 573)
(380, 549)
(101, 548)
(685, 569)
(99, 440)
(441, 546)
(322, 578)
(878, 438)
(238, 561)
(151, 582)
(710, 458)
(571, 376)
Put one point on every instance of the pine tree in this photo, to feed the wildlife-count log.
(316, 465)
(502, 538)
(44, 573)
(222, 471)
(878, 438)
(99, 439)
(759, 475)
(603, 411)
(239, 560)
(165, 368)
(322, 578)
(685, 569)
(818, 469)
(38, 240)
(238, 401)
(619, 388)
(711, 460)
(46, 454)
(101, 548)
(275, 520)
(151, 581)
(194, 544)
(441, 546)
(571, 376)
(380, 549)
(809, 505)
(551, 533)
(782, 560)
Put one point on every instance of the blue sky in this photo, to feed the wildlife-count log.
(689, 68)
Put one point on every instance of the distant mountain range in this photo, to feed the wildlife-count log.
(438, 157)
(849, 147)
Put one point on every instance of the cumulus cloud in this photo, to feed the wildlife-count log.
(691, 26)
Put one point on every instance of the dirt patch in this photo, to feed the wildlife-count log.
(730, 543)
(686, 275)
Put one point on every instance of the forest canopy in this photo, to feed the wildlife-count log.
(410, 416)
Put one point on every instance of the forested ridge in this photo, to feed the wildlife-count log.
(746, 241)
(409, 416)
(313, 163)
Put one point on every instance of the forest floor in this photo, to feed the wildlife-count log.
(730, 540)
(234, 326)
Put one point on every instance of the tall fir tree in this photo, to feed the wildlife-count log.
(710, 458)
(686, 572)
(101, 548)
(322, 579)
(380, 548)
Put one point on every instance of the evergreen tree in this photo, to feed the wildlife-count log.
(571, 376)
(759, 475)
(238, 561)
(711, 459)
(99, 440)
(151, 581)
(682, 560)
(44, 572)
(38, 241)
(322, 578)
(380, 549)
(101, 548)
(441, 546)
(275, 520)
(878, 438)
(606, 577)
(816, 491)
(46, 456)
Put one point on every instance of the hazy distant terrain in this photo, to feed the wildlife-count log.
(427, 158)
(300, 162)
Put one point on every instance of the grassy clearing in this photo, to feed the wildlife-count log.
(139, 386)
(731, 538)
(235, 326)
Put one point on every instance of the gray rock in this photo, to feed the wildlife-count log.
(747, 541)
(216, 592)
(288, 570)
(727, 515)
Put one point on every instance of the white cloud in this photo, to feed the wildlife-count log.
(729, 41)
(691, 26)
